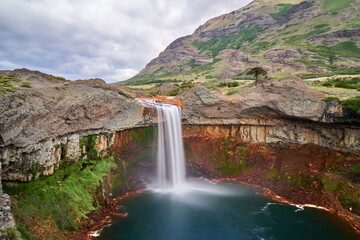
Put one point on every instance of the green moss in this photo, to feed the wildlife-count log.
(190, 155)
(68, 193)
(273, 173)
(10, 233)
(148, 136)
(89, 143)
(135, 135)
(340, 158)
(333, 186)
(356, 168)
(351, 200)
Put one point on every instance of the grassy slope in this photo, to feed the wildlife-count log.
(291, 38)
(55, 204)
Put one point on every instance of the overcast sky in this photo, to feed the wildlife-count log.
(109, 39)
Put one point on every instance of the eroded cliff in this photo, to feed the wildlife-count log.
(56, 123)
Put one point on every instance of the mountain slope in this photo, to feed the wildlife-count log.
(286, 37)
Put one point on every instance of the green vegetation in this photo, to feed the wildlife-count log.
(282, 10)
(257, 71)
(6, 85)
(217, 44)
(57, 88)
(89, 142)
(336, 5)
(63, 197)
(148, 79)
(347, 83)
(10, 233)
(334, 71)
(342, 49)
(273, 173)
(58, 78)
(232, 91)
(334, 186)
(351, 200)
(260, 46)
(228, 84)
(356, 168)
(227, 164)
(353, 104)
(25, 84)
(183, 85)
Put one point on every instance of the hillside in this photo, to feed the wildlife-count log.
(286, 37)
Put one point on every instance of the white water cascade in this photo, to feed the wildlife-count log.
(170, 152)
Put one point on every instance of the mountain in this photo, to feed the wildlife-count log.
(286, 37)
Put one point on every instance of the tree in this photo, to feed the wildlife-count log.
(257, 71)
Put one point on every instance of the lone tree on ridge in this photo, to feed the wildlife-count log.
(257, 71)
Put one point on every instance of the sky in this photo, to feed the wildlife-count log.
(108, 39)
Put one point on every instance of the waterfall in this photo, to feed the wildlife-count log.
(170, 150)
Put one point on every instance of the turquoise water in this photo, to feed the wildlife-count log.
(221, 211)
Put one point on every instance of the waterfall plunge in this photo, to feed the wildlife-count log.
(170, 152)
(170, 157)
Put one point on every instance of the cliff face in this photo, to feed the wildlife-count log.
(57, 122)
(286, 37)
(275, 131)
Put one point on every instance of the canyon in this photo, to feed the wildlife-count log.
(280, 135)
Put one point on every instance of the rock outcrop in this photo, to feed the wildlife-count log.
(43, 125)
(287, 98)
(6, 217)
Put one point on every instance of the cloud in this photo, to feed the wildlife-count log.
(108, 39)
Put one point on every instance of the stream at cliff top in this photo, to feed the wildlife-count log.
(220, 211)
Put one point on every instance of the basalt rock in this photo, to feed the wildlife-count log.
(6, 217)
(287, 98)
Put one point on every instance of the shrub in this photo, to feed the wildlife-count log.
(327, 84)
(174, 92)
(25, 84)
(229, 84)
(352, 104)
(222, 84)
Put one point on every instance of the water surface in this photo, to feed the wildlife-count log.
(221, 211)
